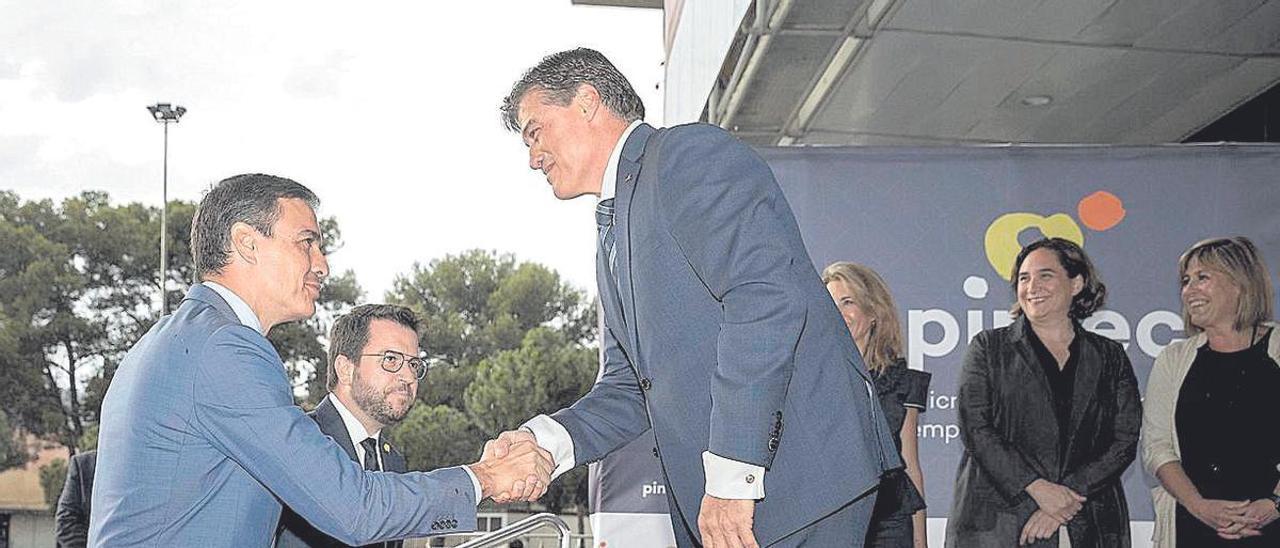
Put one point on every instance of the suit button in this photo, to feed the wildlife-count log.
(655, 452)
(646, 384)
(773, 444)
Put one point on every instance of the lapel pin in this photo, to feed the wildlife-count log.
(386, 447)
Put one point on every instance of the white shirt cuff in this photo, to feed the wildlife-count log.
(475, 482)
(731, 479)
(553, 437)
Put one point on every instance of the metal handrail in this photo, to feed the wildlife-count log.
(513, 531)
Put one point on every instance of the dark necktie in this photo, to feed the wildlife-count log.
(604, 225)
(370, 446)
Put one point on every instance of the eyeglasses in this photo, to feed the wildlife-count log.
(391, 362)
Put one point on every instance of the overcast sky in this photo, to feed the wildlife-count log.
(387, 110)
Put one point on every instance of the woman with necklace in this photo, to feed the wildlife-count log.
(1209, 434)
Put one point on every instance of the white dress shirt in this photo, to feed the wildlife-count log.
(241, 308)
(725, 478)
(356, 431)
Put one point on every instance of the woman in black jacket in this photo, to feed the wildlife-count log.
(1049, 415)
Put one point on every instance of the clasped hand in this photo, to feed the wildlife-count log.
(1235, 520)
(513, 468)
(1058, 505)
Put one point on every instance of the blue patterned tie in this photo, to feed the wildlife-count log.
(604, 225)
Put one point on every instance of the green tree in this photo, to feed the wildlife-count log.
(52, 477)
(78, 287)
(508, 340)
(436, 436)
(11, 447)
(545, 374)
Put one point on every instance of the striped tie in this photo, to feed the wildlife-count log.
(604, 224)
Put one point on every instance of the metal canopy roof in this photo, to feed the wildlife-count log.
(983, 71)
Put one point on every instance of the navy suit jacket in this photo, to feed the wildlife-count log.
(200, 443)
(722, 337)
(294, 531)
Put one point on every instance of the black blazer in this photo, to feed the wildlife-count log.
(296, 532)
(72, 516)
(1011, 438)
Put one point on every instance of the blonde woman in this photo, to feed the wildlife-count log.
(1209, 432)
(868, 310)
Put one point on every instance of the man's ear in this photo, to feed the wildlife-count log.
(244, 242)
(587, 100)
(345, 368)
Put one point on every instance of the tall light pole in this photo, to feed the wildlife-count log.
(165, 113)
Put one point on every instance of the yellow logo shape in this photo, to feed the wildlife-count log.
(1001, 241)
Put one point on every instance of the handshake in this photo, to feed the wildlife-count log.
(513, 468)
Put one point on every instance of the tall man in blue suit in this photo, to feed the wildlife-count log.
(719, 333)
(200, 441)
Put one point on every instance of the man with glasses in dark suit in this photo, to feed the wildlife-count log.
(373, 373)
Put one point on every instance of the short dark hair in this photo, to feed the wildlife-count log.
(251, 198)
(560, 74)
(1241, 261)
(1076, 263)
(351, 332)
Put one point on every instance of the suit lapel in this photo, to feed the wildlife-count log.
(392, 460)
(610, 301)
(629, 163)
(326, 415)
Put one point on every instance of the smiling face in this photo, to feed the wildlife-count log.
(561, 143)
(1210, 298)
(383, 396)
(1045, 291)
(292, 263)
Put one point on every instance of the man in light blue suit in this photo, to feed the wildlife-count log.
(719, 333)
(200, 442)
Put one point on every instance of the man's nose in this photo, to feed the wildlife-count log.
(320, 265)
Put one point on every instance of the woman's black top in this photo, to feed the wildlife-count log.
(898, 388)
(1227, 433)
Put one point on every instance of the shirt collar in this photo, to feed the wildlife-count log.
(241, 308)
(354, 428)
(608, 187)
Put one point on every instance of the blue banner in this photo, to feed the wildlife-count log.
(943, 225)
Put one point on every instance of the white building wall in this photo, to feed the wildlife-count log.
(31, 530)
(702, 39)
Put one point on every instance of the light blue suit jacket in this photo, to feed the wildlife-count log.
(722, 337)
(200, 443)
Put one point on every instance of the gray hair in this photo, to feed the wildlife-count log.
(252, 199)
(559, 76)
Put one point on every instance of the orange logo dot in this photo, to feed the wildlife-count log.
(1100, 210)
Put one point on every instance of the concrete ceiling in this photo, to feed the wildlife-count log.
(993, 71)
